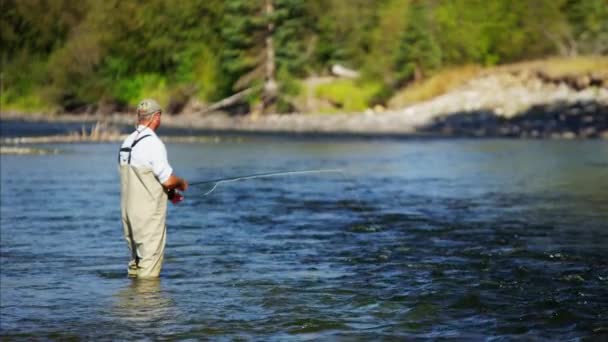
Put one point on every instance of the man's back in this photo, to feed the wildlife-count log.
(143, 149)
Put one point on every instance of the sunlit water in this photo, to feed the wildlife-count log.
(418, 239)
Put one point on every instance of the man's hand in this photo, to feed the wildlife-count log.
(174, 196)
(183, 185)
(175, 182)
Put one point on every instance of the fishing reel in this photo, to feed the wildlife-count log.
(174, 196)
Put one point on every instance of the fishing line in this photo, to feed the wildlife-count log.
(217, 182)
(357, 200)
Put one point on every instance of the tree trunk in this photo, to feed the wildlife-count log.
(270, 84)
(418, 74)
(228, 101)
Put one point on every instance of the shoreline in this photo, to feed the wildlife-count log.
(554, 121)
(507, 103)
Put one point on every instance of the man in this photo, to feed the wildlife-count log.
(145, 180)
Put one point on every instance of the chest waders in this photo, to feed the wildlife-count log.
(143, 203)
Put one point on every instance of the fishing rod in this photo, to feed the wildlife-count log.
(176, 197)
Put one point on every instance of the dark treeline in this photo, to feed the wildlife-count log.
(92, 54)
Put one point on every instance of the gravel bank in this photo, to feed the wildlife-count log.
(509, 103)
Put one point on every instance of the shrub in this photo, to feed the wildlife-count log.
(131, 90)
(349, 95)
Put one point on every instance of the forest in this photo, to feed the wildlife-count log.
(91, 55)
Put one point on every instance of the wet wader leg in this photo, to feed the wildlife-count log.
(128, 234)
(144, 207)
(152, 249)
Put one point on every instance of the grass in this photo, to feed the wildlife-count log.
(348, 95)
(561, 67)
(436, 85)
(26, 103)
(448, 79)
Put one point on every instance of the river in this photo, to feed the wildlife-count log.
(468, 239)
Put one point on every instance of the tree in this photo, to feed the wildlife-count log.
(264, 46)
(380, 62)
(343, 30)
(76, 54)
(588, 26)
(418, 53)
(248, 52)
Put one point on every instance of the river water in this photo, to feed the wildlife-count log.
(473, 239)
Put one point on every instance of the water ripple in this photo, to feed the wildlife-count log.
(423, 247)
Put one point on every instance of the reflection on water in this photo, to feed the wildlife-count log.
(143, 303)
(469, 239)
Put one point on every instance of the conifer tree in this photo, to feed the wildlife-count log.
(418, 53)
(263, 38)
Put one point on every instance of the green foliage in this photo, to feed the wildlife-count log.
(132, 90)
(292, 34)
(242, 30)
(418, 52)
(244, 54)
(22, 88)
(344, 30)
(73, 55)
(588, 23)
(30, 102)
(475, 29)
(348, 95)
(37, 26)
(199, 69)
(290, 89)
(380, 63)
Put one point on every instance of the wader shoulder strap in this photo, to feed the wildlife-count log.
(130, 149)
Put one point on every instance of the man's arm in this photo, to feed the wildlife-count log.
(175, 182)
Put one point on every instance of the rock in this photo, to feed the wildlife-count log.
(341, 71)
(26, 150)
(588, 132)
(596, 80)
(194, 106)
(379, 108)
(582, 82)
(568, 135)
(573, 278)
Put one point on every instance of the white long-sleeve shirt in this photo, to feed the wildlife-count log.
(149, 152)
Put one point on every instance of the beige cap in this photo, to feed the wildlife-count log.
(148, 107)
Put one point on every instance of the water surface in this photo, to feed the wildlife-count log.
(418, 239)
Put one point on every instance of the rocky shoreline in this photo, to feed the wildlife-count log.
(555, 121)
(510, 103)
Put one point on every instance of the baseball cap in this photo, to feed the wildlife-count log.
(148, 107)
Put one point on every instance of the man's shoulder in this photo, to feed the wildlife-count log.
(150, 140)
(144, 135)
(128, 140)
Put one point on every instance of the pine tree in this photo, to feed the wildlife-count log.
(264, 41)
(248, 53)
(418, 53)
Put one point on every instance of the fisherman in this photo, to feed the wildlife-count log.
(146, 179)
